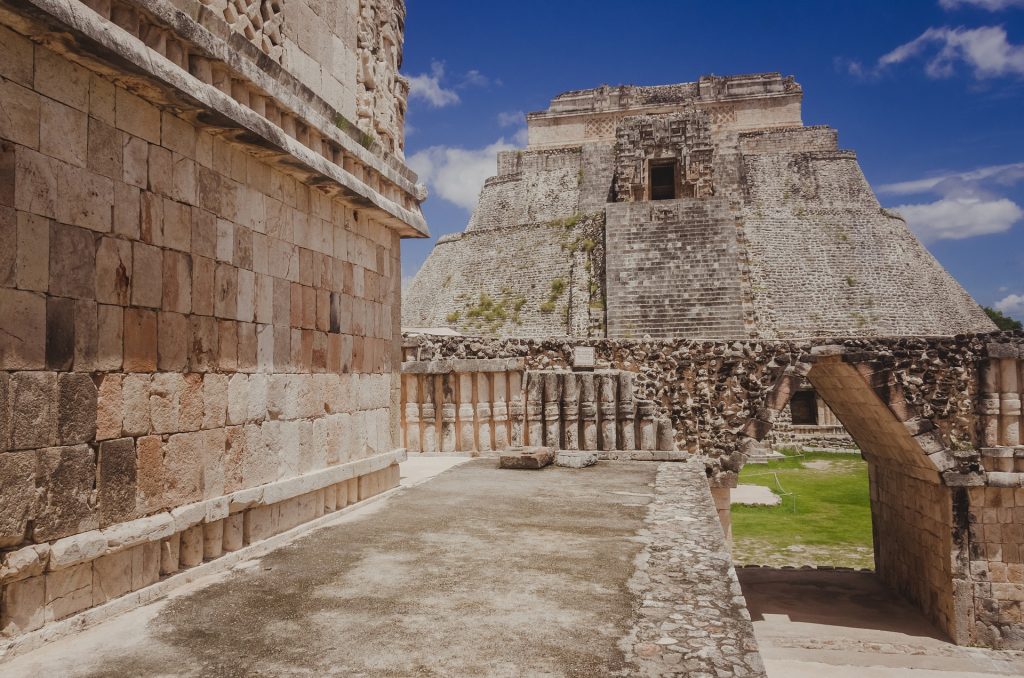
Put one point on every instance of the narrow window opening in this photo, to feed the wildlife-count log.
(663, 180)
(803, 408)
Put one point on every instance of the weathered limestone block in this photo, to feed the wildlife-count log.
(527, 458)
(516, 411)
(23, 606)
(23, 347)
(588, 410)
(534, 408)
(18, 483)
(234, 532)
(448, 414)
(76, 418)
(170, 554)
(30, 561)
(109, 407)
(575, 459)
(112, 576)
(428, 442)
(68, 591)
(33, 398)
(68, 475)
(500, 411)
(135, 396)
(571, 410)
(646, 411)
(213, 540)
(483, 412)
(627, 412)
(191, 550)
(117, 481)
(467, 425)
(77, 549)
(607, 387)
(145, 565)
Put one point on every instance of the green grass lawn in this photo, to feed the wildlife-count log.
(824, 518)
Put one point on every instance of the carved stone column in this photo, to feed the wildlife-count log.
(988, 403)
(1009, 403)
(516, 413)
(483, 411)
(645, 410)
(412, 412)
(588, 410)
(448, 413)
(535, 408)
(571, 410)
(499, 412)
(429, 416)
(467, 427)
(666, 435)
(607, 383)
(552, 409)
(627, 412)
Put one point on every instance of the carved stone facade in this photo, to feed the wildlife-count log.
(382, 94)
(721, 215)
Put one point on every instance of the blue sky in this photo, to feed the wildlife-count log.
(930, 93)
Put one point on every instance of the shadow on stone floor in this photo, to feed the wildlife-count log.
(833, 598)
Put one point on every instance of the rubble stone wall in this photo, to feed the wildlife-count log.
(945, 508)
(199, 340)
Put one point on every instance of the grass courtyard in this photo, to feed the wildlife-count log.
(824, 517)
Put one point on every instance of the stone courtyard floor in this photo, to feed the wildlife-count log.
(618, 569)
(841, 624)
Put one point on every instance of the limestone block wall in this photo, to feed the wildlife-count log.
(673, 270)
(535, 280)
(198, 320)
(825, 259)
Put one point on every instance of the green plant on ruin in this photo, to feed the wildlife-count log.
(547, 306)
(490, 314)
(850, 281)
(447, 281)
(859, 318)
(558, 286)
(579, 177)
(453, 317)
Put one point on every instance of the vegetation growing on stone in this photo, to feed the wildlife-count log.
(487, 313)
(1003, 321)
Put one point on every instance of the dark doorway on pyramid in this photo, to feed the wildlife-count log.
(663, 180)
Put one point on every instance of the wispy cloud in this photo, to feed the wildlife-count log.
(475, 78)
(986, 51)
(511, 119)
(968, 203)
(457, 174)
(990, 5)
(427, 87)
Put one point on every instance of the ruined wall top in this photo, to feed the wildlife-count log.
(743, 102)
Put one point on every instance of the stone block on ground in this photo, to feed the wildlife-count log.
(526, 458)
(575, 459)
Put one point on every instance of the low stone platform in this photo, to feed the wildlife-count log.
(479, 571)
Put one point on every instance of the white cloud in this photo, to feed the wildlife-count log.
(475, 78)
(428, 88)
(990, 5)
(966, 206)
(1005, 175)
(458, 174)
(511, 119)
(959, 218)
(1012, 305)
(986, 50)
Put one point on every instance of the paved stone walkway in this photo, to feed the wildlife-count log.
(477, 572)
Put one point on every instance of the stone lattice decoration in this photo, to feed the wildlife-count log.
(382, 94)
(259, 21)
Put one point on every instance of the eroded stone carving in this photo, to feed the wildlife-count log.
(381, 93)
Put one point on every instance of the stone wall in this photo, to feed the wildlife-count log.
(673, 270)
(945, 509)
(199, 341)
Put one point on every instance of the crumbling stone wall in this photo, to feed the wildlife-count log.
(198, 304)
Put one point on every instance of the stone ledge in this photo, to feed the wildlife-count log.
(464, 366)
(87, 546)
(12, 647)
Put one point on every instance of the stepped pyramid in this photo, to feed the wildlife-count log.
(700, 210)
